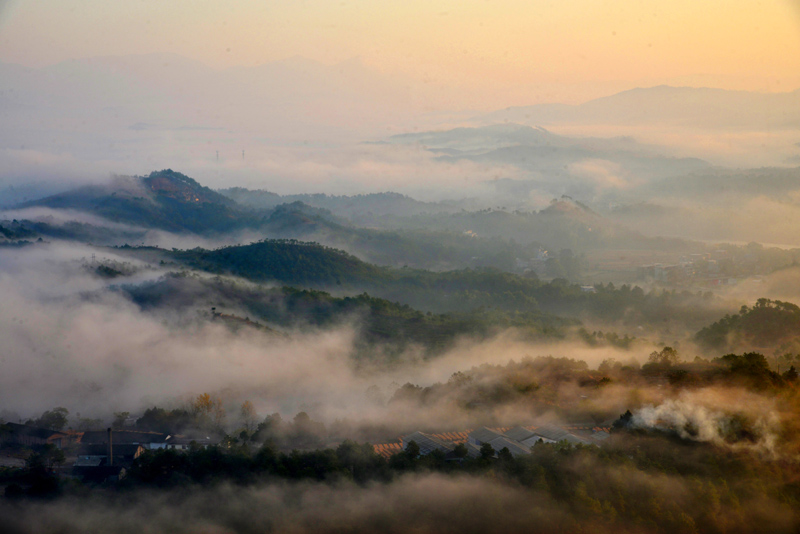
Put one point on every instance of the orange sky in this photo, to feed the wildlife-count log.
(478, 53)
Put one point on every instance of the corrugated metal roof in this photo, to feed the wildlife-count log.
(427, 443)
(453, 437)
(89, 461)
(552, 432)
(514, 447)
(473, 451)
(531, 441)
(123, 436)
(519, 433)
(388, 450)
(32, 431)
(573, 439)
(445, 441)
(484, 435)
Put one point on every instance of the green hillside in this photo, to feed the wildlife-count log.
(310, 265)
(769, 324)
(284, 260)
(166, 200)
(378, 322)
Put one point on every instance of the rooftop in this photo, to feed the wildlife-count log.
(484, 434)
(427, 443)
(514, 447)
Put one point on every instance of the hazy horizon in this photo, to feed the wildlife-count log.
(282, 96)
(594, 252)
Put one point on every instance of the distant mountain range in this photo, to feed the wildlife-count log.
(124, 108)
(507, 134)
(553, 165)
(352, 207)
(681, 106)
(385, 229)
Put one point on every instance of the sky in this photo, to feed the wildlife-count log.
(508, 52)
(303, 83)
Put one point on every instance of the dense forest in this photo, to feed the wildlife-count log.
(379, 321)
(768, 323)
(312, 265)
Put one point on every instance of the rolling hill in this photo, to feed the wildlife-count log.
(166, 200)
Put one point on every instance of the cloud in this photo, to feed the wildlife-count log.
(427, 503)
(70, 339)
(603, 173)
(21, 165)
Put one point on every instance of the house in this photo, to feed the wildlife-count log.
(517, 440)
(31, 436)
(93, 465)
(148, 440)
(182, 443)
(554, 434)
(97, 454)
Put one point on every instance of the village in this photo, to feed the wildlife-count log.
(105, 456)
(492, 442)
(92, 456)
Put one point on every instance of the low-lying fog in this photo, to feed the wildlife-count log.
(69, 339)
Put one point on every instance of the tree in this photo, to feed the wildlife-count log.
(270, 429)
(203, 404)
(791, 374)
(86, 423)
(247, 412)
(487, 451)
(209, 410)
(55, 419)
(667, 357)
(119, 419)
(460, 451)
(624, 420)
(505, 456)
(412, 449)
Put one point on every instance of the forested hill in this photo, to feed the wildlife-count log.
(385, 228)
(391, 325)
(167, 200)
(350, 207)
(287, 261)
(769, 324)
(310, 265)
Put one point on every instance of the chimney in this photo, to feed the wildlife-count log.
(110, 461)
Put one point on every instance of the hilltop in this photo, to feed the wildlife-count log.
(167, 200)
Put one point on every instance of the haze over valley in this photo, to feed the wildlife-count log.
(533, 268)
